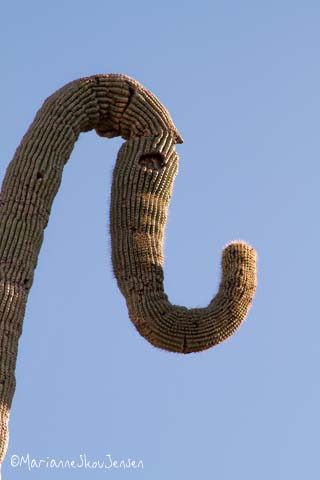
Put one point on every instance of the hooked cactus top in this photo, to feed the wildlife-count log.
(147, 163)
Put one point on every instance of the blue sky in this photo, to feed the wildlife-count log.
(241, 81)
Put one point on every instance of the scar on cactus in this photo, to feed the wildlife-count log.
(144, 173)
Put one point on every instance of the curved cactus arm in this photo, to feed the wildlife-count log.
(113, 105)
(142, 186)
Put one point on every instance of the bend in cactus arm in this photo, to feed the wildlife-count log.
(139, 205)
(142, 185)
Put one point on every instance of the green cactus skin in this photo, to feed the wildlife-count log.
(113, 105)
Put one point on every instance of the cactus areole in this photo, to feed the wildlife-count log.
(146, 166)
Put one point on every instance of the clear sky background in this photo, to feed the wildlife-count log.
(241, 81)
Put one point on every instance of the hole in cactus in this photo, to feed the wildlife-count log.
(153, 161)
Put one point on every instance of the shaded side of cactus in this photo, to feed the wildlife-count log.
(113, 105)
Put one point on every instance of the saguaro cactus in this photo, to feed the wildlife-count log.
(142, 185)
